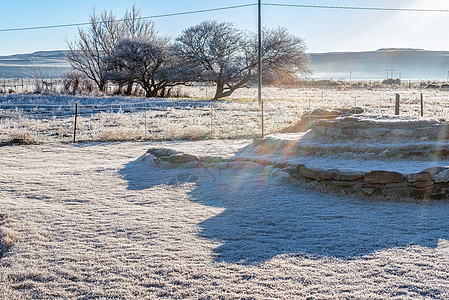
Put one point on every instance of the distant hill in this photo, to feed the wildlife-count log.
(414, 64)
(398, 63)
(50, 63)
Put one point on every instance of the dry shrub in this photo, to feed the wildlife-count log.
(22, 136)
(181, 132)
(118, 135)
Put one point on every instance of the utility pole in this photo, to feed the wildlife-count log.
(259, 64)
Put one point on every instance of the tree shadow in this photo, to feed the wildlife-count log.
(4, 246)
(268, 214)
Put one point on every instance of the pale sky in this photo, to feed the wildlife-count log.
(324, 30)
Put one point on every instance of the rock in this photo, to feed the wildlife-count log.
(325, 123)
(428, 133)
(399, 192)
(433, 171)
(441, 132)
(401, 133)
(262, 162)
(396, 185)
(182, 158)
(333, 132)
(423, 193)
(213, 159)
(282, 165)
(369, 191)
(348, 186)
(348, 132)
(319, 130)
(440, 190)
(441, 153)
(305, 172)
(442, 176)
(159, 152)
(423, 184)
(383, 177)
(422, 176)
(376, 132)
(357, 110)
(325, 174)
(348, 175)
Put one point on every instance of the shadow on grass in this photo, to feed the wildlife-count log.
(267, 215)
(4, 246)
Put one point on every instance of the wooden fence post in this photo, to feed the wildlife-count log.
(396, 108)
(422, 106)
(76, 115)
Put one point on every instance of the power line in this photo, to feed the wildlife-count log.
(235, 7)
(357, 8)
(121, 20)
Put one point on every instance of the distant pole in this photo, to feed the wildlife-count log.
(259, 64)
(145, 135)
(396, 108)
(76, 115)
(422, 106)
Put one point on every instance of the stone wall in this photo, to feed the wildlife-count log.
(429, 183)
(354, 127)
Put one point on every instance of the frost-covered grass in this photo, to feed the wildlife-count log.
(94, 221)
(49, 118)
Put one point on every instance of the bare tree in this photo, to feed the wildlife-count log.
(149, 63)
(86, 55)
(218, 48)
(228, 57)
(283, 56)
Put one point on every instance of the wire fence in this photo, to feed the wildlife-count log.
(51, 118)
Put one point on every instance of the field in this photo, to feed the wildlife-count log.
(93, 220)
(50, 118)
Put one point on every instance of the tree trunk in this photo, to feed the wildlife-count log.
(129, 88)
(102, 85)
(219, 91)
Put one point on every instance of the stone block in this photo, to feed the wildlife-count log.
(182, 158)
(348, 175)
(325, 174)
(401, 133)
(414, 177)
(423, 193)
(440, 132)
(348, 186)
(422, 184)
(376, 132)
(383, 177)
(319, 130)
(333, 132)
(440, 189)
(399, 192)
(396, 185)
(348, 132)
(369, 191)
(305, 172)
(442, 176)
(433, 171)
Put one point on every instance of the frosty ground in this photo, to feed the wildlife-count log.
(50, 118)
(94, 220)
